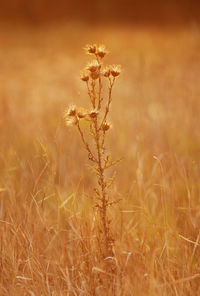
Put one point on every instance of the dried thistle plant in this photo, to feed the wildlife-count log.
(97, 77)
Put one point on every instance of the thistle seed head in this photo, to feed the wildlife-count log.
(95, 75)
(91, 49)
(71, 111)
(115, 70)
(101, 51)
(84, 76)
(81, 113)
(106, 72)
(93, 113)
(106, 126)
(93, 66)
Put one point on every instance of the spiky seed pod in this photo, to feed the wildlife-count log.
(84, 76)
(93, 66)
(105, 126)
(81, 113)
(95, 75)
(91, 49)
(101, 51)
(93, 113)
(106, 72)
(71, 111)
(115, 70)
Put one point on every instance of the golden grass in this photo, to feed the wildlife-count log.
(47, 223)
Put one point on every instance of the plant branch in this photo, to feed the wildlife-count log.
(90, 154)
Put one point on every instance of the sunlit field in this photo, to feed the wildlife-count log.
(48, 236)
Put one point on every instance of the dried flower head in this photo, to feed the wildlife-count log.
(93, 66)
(84, 76)
(115, 70)
(93, 113)
(106, 72)
(71, 111)
(95, 75)
(101, 51)
(106, 126)
(91, 49)
(81, 113)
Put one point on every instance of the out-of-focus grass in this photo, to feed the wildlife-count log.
(46, 217)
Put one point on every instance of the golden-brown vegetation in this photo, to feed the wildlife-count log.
(100, 80)
(47, 227)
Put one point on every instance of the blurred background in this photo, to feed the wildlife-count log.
(168, 12)
(41, 55)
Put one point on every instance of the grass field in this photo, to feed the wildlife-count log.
(47, 220)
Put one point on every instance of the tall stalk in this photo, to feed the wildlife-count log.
(95, 76)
